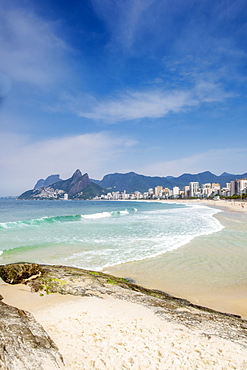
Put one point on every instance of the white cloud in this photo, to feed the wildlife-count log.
(31, 52)
(217, 161)
(157, 103)
(22, 163)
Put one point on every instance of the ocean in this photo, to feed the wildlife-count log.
(97, 234)
(188, 250)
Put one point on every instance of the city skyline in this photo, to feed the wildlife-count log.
(158, 88)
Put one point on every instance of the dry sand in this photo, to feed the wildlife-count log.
(232, 205)
(108, 333)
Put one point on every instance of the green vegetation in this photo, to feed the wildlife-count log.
(90, 192)
(235, 196)
(59, 281)
(111, 281)
(94, 273)
(116, 281)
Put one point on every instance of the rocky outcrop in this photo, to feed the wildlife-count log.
(19, 272)
(48, 181)
(74, 187)
(24, 344)
(78, 183)
(79, 282)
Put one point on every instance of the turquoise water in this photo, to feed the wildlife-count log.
(98, 234)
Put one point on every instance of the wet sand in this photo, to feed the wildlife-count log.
(211, 270)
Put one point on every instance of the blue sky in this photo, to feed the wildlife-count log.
(156, 87)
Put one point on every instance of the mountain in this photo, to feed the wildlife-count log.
(77, 187)
(81, 187)
(132, 181)
(48, 181)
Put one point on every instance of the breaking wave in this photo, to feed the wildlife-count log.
(61, 219)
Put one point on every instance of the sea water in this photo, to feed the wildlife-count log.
(98, 234)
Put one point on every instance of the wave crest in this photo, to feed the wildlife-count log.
(61, 219)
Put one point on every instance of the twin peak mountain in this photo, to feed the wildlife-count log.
(78, 186)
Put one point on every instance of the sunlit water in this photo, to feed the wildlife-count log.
(191, 251)
(97, 235)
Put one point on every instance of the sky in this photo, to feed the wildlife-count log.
(157, 87)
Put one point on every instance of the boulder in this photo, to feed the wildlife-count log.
(24, 344)
(17, 273)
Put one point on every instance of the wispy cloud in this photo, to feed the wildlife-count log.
(217, 161)
(152, 103)
(23, 162)
(31, 51)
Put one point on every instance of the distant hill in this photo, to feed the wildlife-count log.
(132, 181)
(77, 187)
(48, 181)
(81, 187)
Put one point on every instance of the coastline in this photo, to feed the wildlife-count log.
(113, 333)
(204, 271)
(231, 205)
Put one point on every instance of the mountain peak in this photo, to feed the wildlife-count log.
(226, 174)
(76, 176)
(74, 187)
(48, 181)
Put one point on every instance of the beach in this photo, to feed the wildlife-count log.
(210, 270)
(112, 333)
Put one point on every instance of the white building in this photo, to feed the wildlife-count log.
(158, 191)
(175, 192)
(241, 186)
(238, 186)
(194, 188)
(206, 190)
(187, 191)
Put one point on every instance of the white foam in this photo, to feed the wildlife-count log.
(107, 214)
(97, 215)
(124, 212)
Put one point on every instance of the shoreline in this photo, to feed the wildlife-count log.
(231, 205)
(236, 205)
(106, 332)
(211, 252)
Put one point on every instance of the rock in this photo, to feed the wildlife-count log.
(74, 187)
(78, 183)
(79, 282)
(48, 181)
(19, 272)
(24, 344)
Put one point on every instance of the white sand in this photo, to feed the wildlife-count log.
(232, 205)
(112, 334)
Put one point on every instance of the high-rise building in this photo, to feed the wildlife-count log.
(175, 192)
(158, 191)
(194, 187)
